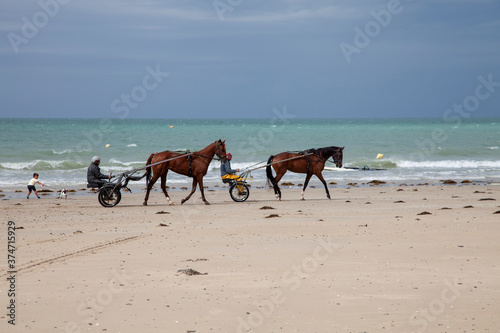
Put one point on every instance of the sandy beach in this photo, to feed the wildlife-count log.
(372, 259)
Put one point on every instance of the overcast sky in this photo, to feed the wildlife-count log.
(244, 58)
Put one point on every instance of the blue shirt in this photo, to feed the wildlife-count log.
(225, 168)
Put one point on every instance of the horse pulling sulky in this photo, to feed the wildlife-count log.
(195, 165)
(191, 164)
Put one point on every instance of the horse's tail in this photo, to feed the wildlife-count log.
(271, 180)
(148, 173)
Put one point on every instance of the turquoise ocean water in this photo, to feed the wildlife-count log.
(415, 150)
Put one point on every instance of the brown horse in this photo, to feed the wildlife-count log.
(193, 165)
(311, 162)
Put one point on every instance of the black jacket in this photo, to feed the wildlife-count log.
(94, 173)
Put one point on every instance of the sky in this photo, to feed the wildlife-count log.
(244, 59)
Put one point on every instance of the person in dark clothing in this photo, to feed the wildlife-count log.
(94, 175)
(225, 169)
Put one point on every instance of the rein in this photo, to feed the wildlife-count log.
(215, 156)
(201, 155)
(263, 166)
(303, 154)
(164, 161)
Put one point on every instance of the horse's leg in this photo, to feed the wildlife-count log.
(279, 175)
(200, 183)
(164, 188)
(150, 186)
(320, 176)
(192, 191)
(308, 177)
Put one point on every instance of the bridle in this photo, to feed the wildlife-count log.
(335, 157)
(218, 153)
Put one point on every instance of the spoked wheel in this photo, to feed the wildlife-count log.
(239, 192)
(109, 196)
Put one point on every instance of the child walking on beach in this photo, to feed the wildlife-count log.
(31, 185)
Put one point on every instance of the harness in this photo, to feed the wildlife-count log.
(190, 157)
(308, 153)
(317, 153)
(308, 161)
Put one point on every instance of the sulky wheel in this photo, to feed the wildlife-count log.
(109, 196)
(239, 192)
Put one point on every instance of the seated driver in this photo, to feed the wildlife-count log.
(94, 175)
(225, 169)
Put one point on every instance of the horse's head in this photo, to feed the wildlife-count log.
(220, 149)
(334, 152)
(338, 155)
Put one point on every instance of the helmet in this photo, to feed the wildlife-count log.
(228, 155)
(95, 159)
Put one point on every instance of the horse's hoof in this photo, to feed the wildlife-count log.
(302, 199)
(144, 203)
(171, 204)
(207, 203)
(183, 201)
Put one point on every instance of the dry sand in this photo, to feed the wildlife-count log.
(365, 261)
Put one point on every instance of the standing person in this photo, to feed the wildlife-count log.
(225, 169)
(31, 185)
(94, 175)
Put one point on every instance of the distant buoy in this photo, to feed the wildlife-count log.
(172, 126)
(380, 156)
(108, 145)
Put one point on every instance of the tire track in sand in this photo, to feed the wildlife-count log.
(101, 246)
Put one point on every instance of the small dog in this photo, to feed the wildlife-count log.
(64, 194)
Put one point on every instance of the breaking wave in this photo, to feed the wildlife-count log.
(449, 164)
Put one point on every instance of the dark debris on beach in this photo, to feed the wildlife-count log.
(189, 272)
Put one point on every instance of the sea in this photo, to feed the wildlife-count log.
(395, 151)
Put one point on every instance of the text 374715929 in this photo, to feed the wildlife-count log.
(11, 264)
